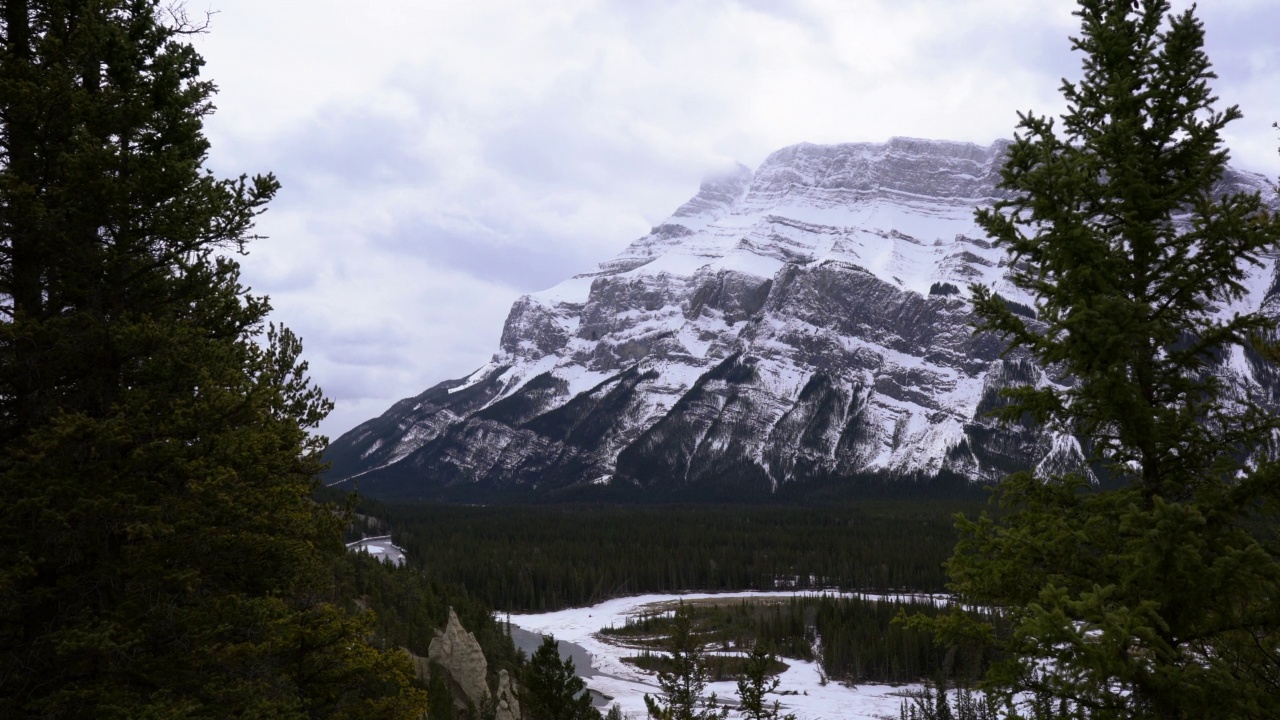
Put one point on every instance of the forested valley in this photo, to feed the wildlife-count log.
(540, 558)
(166, 550)
(489, 560)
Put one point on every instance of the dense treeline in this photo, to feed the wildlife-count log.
(784, 626)
(855, 639)
(550, 557)
(862, 642)
(719, 667)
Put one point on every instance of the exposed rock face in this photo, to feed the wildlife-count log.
(804, 324)
(508, 707)
(458, 652)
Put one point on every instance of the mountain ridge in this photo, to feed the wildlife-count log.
(803, 324)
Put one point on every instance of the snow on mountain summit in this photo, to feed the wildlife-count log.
(805, 323)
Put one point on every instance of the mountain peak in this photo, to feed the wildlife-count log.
(718, 193)
(800, 325)
(840, 174)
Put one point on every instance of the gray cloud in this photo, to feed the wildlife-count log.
(440, 159)
(502, 255)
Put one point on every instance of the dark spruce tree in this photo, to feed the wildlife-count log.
(160, 555)
(1159, 598)
(553, 690)
(688, 676)
(755, 683)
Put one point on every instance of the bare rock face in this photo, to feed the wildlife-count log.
(458, 652)
(804, 325)
(508, 708)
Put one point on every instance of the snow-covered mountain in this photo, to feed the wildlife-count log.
(801, 326)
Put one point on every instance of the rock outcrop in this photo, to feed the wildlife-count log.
(507, 707)
(803, 325)
(458, 652)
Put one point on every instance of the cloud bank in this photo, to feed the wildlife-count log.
(439, 159)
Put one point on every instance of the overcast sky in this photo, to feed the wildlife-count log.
(440, 159)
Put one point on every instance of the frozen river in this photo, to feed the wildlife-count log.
(805, 693)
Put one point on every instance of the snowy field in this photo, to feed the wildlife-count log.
(627, 685)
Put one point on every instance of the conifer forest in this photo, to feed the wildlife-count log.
(175, 543)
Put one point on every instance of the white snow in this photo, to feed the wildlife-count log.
(1238, 363)
(692, 340)
(480, 374)
(627, 685)
(1065, 447)
(748, 262)
(579, 378)
(574, 290)
(683, 264)
(372, 448)
(926, 444)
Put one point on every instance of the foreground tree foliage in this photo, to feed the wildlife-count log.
(159, 552)
(1159, 598)
(552, 688)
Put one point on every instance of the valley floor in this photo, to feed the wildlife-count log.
(803, 690)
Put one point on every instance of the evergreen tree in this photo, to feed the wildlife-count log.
(941, 704)
(755, 683)
(553, 690)
(1158, 598)
(932, 703)
(160, 555)
(682, 686)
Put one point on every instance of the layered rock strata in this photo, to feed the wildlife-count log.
(802, 325)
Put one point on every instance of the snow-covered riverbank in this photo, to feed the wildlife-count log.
(627, 684)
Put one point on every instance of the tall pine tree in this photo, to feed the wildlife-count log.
(160, 555)
(683, 684)
(1159, 598)
(755, 683)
